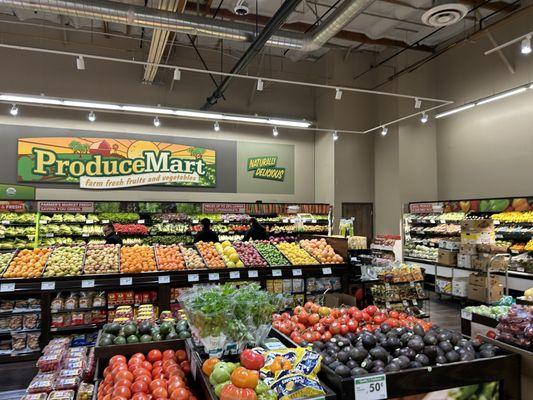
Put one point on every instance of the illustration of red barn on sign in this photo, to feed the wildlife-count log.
(102, 148)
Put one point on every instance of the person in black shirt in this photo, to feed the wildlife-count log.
(206, 234)
(256, 231)
(111, 237)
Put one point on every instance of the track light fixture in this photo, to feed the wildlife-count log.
(216, 126)
(525, 46)
(92, 116)
(80, 63)
(275, 132)
(424, 118)
(259, 85)
(338, 94)
(14, 110)
(335, 136)
(177, 74)
(418, 103)
(157, 122)
(384, 131)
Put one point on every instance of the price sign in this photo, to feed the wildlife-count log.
(313, 221)
(415, 303)
(297, 272)
(285, 220)
(126, 281)
(141, 221)
(253, 274)
(326, 271)
(371, 388)
(49, 235)
(7, 287)
(5, 222)
(165, 221)
(234, 275)
(48, 285)
(466, 315)
(520, 269)
(105, 221)
(193, 278)
(195, 221)
(89, 222)
(405, 303)
(85, 235)
(387, 304)
(214, 276)
(276, 272)
(164, 279)
(43, 222)
(87, 283)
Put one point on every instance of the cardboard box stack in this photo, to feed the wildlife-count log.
(447, 254)
(478, 285)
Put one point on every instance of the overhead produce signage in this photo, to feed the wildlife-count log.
(65, 206)
(476, 205)
(106, 163)
(232, 208)
(265, 168)
(12, 206)
(16, 192)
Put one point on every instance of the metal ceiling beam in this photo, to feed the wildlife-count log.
(305, 27)
(275, 23)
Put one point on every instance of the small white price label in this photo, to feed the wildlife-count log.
(313, 221)
(89, 222)
(141, 221)
(85, 235)
(285, 220)
(49, 235)
(276, 272)
(165, 221)
(253, 274)
(195, 221)
(87, 283)
(105, 221)
(226, 221)
(405, 303)
(326, 271)
(214, 276)
(387, 304)
(43, 222)
(293, 221)
(520, 269)
(415, 303)
(193, 278)
(126, 281)
(371, 388)
(496, 222)
(7, 287)
(48, 285)
(163, 279)
(412, 284)
(5, 222)
(234, 274)
(297, 272)
(466, 315)
(432, 221)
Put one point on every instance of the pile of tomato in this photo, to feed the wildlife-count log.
(158, 375)
(313, 322)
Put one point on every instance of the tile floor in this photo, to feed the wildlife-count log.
(445, 313)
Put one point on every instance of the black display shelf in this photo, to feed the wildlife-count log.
(466, 324)
(29, 356)
(76, 328)
(52, 311)
(420, 260)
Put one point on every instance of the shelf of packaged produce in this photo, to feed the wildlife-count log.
(22, 311)
(29, 356)
(175, 278)
(8, 332)
(77, 310)
(76, 328)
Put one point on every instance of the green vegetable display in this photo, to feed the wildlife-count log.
(119, 217)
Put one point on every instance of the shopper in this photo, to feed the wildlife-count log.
(111, 237)
(206, 234)
(256, 231)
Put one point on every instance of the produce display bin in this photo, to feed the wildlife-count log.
(479, 321)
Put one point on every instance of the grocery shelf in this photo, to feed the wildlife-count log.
(52, 311)
(420, 260)
(29, 356)
(76, 328)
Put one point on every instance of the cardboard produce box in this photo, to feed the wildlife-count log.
(447, 257)
(477, 238)
(480, 280)
(465, 260)
(468, 248)
(460, 287)
(477, 225)
(479, 293)
(338, 299)
(483, 261)
(449, 244)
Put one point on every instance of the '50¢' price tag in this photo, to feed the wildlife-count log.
(371, 387)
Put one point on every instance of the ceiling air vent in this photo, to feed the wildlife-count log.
(444, 14)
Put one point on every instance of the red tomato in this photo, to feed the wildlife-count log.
(277, 324)
(316, 336)
(159, 376)
(107, 371)
(168, 354)
(123, 382)
(135, 361)
(117, 359)
(154, 355)
(358, 315)
(176, 385)
(326, 336)
(344, 329)
(352, 310)
(186, 367)
(298, 309)
(168, 363)
(127, 375)
(143, 378)
(328, 320)
(335, 328)
(118, 368)
(313, 319)
(118, 398)
(141, 371)
(157, 364)
(139, 387)
(122, 391)
(307, 336)
(315, 308)
(285, 316)
(285, 328)
(147, 365)
(157, 371)
(320, 328)
(179, 373)
(491, 334)
(394, 314)
(140, 396)
(294, 318)
(108, 379)
(402, 315)
(160, 393)
(308, 305)
(366, 317)
(352, 325)
(180, 394)
(181, 355)
(302, 317)
(342, 320)
(371, 310)
(133, 367)
(379, 318)
(300, 327)
(156, 383)
(171, 370)
(370, 328)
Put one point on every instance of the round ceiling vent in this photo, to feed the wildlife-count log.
(445, 14)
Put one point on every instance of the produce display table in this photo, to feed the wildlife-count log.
(504, 369)
(472, 324)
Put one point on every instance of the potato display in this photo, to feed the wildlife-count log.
(101, 259)
(65, 261)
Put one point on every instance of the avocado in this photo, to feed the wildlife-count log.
(343, 356)
(145, 338)
(446, 346)
(416, 345)
(423, 359)
(351, 364)
(130, 329)
(431, 352)
(358, 354)
(165, 328)
(393, 366)
(393, 343)
(418, 330)
(430, 339)
(415, 364)
(132, 339)
(343, 371)
(452, 356)
(358, 371)
(368, 341)
(119, 340)
(379, 353)
(441, 360)
(184, 335)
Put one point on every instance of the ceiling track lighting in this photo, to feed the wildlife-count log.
(338, 94)
(177, 74)
(157, 123)
(216, 126)
(260, 85)
(525, 45)
(275, 132)
(92, 116)
(14, 110)
(501, 96)
(80, 63)
(335, 136)
(384, 131)
(424, 118)
(418, 103)
(455, 110)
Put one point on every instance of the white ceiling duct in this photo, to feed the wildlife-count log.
(444, 13)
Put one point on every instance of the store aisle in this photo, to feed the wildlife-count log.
(445, 313)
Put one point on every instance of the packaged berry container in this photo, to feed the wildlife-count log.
(67, 383)
(61, 395)
(42, 383)
(35, 396)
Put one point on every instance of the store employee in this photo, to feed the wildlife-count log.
(256, 231)
(111, 237)
(206, 234)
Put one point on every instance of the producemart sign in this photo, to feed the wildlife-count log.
(104, 163)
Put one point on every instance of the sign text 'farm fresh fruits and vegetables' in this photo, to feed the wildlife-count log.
(485, 205)
(105, 163)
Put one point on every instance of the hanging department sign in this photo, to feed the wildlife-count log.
(265, 168)
(105, 163)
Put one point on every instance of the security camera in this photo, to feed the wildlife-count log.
(241, 8)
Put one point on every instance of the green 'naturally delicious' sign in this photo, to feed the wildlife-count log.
(264, 167)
